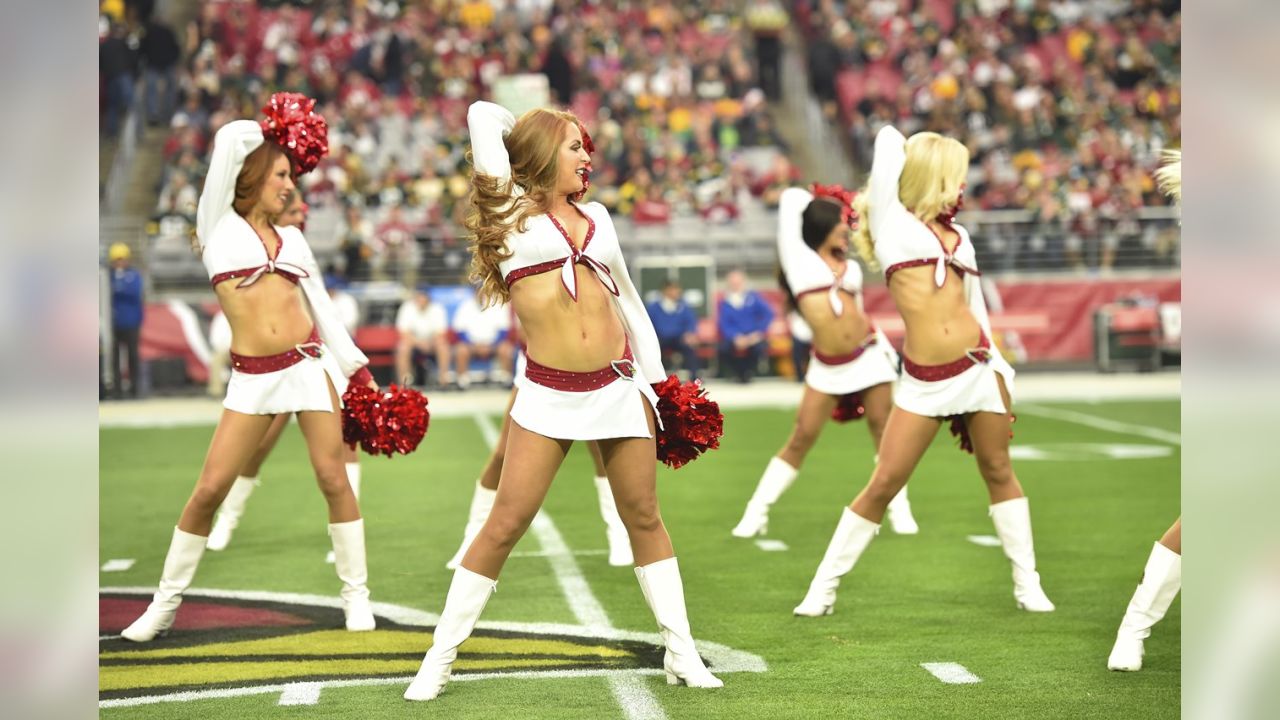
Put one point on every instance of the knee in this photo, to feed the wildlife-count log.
(332, 479)
(640, 517)
(885, 484)
(802, 439)
(207, 496)
(506, 529)
(996, 469)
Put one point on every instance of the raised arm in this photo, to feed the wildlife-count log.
(886, 169)
(488, 124)
(801, 264)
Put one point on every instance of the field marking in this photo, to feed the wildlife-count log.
(1101, 423)
(984, 540)
(771, 545)
(118, 564)
(304, 693)
(1083, 452)
(951, 673)
(631, 692)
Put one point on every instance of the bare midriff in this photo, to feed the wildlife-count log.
(563, 334)
(834, 334)
(940, 327)
(267, 317)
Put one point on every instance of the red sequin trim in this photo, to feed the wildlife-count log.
(936, 373)
(249, 272)
(845, 359)
(570, 381)
(889, 271)
(312, 348)
(524, 272)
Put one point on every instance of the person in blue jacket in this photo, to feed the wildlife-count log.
(743, 318)
(676, 325)
(126, 319)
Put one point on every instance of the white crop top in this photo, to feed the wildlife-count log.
(545, 246)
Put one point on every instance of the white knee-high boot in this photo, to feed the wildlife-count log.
(778, 476)
(1161, 581)
(353, 478)
(353, 571)
(468, 594)
(901, 521)
(1012, 519)
(481, 505)
(180, 566)
(615, 532)
(230, 511)
(851, 538)
(664, 592)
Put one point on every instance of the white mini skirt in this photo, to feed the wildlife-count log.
(301, 387)
(616, 410)
(877, 364)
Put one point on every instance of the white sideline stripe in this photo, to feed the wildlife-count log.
(1101, 423)
(772, 545)
(984, 540)
(951, 673)
(631, 692)
(118, 564)
(307, 693)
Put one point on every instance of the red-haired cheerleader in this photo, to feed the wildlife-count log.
(950, 370)
(290, 351)
(853, 367)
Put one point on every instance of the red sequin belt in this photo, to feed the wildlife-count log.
(935, 373)
(312, 348)
(570, 381)
(845, 359)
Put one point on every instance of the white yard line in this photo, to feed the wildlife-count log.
(951, 673)
(117, 565)
(768, 545)
(631, 691)
(1100, 423)
(984, 540)
(304, 693)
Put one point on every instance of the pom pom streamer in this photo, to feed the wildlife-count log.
(384, 422)
(848, 407)
(691, 422)
(291, 122)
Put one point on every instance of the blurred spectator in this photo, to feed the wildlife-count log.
(483, 334)
(346, 303)
(424, 331)
(178, 197)
(126, 320)
(767, 19)
(117, 67)
(355, 235)
(743, 319)
(801, 343)
(395, 243)
(160, 55)
(676, 325)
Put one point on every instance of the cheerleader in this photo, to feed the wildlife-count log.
(950, 371)
(853, 365)
(290, 351)
(487, 490)
(233, 507)
(1162, 576)
(592, 353)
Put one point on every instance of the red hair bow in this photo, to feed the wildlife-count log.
(292, 124)
(842, 197)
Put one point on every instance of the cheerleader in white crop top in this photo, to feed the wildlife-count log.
(592, 353)
(950, 370)
(290, 351)
(853, 365)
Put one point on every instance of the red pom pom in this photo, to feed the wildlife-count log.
(691, 422)
(843, 198)
(848, 407)
(960, 430)
(384, 422)
(291, 123)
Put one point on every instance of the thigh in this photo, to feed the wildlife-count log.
(814, 412)
(274, 432)
(323, 433)
(632, 467)
(990, 432)
(906, 438)
(529, 467)
(234, 441)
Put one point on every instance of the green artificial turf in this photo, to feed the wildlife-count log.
(934, 597)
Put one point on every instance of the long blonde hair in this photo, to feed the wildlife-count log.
(1169, 176)
(533, 146)
(931, 181)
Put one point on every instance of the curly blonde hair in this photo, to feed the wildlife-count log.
(1169, 176)
(932, 179)
(494, 213)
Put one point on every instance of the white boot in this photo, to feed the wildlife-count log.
(664, 592)
(1012, 519)
(353, 478)
(230, 511)
(852, 536)
(468, 594)
(778, 476)
(481, 505)
(900, 519)
(619, 542)
(349, 561)
(179, 569)
(1161, 581)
